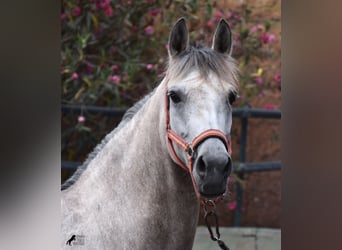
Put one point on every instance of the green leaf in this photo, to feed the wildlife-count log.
(85, 128)
(267, 25)
(244, 33)
(209, 8)
(87, 81)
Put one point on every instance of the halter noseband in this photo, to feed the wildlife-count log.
(190, 148)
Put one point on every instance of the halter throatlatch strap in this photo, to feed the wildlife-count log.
(190, 148)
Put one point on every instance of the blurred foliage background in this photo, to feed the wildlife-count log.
(115, 52)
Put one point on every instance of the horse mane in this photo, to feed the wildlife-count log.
(129, 114)
(206, 61)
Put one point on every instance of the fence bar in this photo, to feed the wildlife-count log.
(238, 167)
(257, 167)
(239, 191)
(256, 113)
(113, 111)
(108, 111)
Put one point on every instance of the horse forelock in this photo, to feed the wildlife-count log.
(130, 113)
(207, 62)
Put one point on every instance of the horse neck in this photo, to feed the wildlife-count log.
(150, 145)
(165, 188)
(138, 154)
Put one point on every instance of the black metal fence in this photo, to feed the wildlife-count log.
(240, 167)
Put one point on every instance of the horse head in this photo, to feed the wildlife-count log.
(201, 87)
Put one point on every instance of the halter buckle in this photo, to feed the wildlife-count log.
(190, 151)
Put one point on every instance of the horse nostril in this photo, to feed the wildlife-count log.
(201, 166)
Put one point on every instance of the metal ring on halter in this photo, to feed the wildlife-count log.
(190, 151)
(210, 203)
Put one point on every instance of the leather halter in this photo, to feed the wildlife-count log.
(190, 148)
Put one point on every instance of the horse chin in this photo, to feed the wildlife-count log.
(209, 192)
(209, 188)
(211, 196)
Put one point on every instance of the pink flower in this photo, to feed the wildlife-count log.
(149, 30)
(149, 66)
(232, 205)
(81, 118)
(271, 38)
(115, 67)
(104, 4)
(108, 11)
(264, 37)
(114, 79)
(209, 24)
(233, 16)
(89, 69)
(269, 106)
(258, 80)
(63, 16)
(255, 28)
(74, 76)
(97, 3)
(261, 94)
(218, 15)
(268, 38)
(154, 12)
(77, 11)
(277, 78)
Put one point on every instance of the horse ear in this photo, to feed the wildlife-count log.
(222, 41)
(179, 38)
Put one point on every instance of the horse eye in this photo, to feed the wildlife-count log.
(174, 97)
(231, 97)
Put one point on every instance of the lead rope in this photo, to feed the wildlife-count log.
(212, 213)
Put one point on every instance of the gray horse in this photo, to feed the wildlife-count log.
(132, 192)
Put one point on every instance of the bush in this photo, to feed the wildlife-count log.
(114, 51)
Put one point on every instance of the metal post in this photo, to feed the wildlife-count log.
(239, 190)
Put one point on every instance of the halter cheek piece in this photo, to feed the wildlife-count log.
(190, 148)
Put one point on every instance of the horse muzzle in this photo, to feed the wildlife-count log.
(212, 167)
